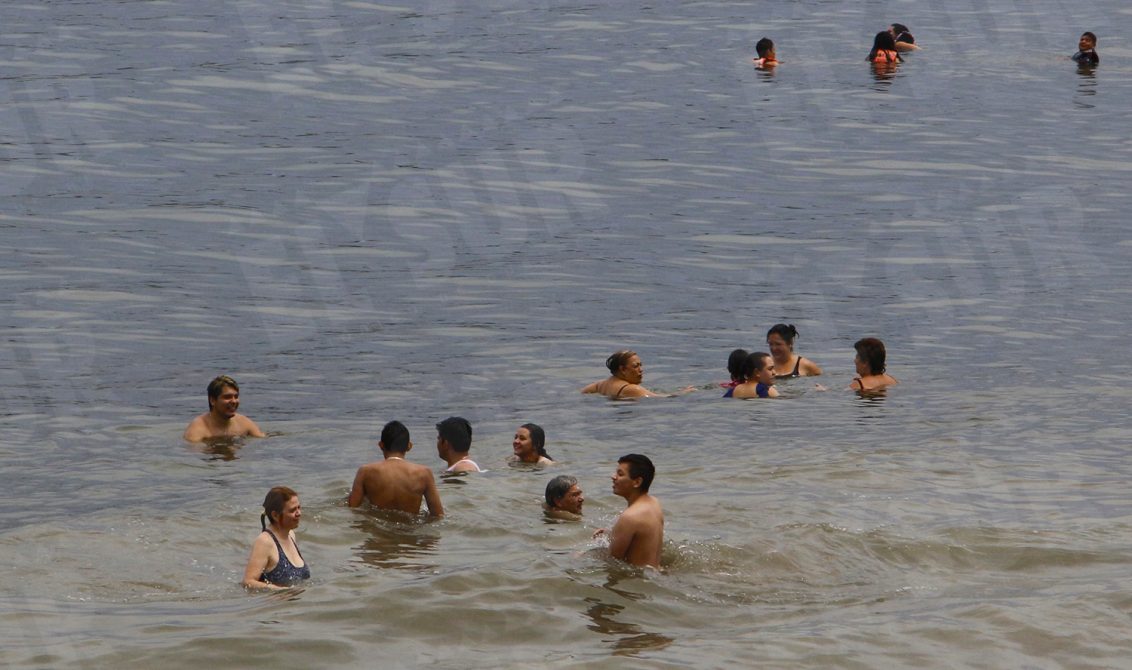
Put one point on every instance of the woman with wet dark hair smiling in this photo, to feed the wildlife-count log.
(625, 374)
(529, 445)
(780, 339)
(624, 381)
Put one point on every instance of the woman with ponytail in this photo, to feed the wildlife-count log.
(276, 561)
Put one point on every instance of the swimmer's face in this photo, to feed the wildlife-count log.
(572, 501)
(1086, 43)
(292, 512)
(766, 375)
(862, 366)
(779, 347)
(523, 446)
(227, 402)
(633, 371)
(622, 482)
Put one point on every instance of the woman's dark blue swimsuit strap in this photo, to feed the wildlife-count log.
(284, 573)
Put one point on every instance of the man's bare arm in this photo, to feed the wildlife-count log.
(621, 537)
(196, 432)
(358, 491)
(432, 498)
(253, 429)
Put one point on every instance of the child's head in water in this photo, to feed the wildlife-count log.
(1088, 41)
(765, 49)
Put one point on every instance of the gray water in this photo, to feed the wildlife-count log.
(366, 212)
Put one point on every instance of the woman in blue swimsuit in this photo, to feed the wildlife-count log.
(758, 373)
(276, 561)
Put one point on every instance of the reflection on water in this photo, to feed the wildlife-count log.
(1086, 86)
(392, 540)
(220, 448)
(630, 640)
(883, 74)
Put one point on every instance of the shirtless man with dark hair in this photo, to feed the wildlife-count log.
(394, 483)
(221, 419)
(638, 534)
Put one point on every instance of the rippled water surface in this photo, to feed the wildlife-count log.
(366, 211)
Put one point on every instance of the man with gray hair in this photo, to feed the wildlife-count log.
(564, 497)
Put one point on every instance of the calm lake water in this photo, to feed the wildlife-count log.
(365, 212)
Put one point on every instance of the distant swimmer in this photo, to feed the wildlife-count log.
(735, 364)
(1087, 50)
(870, 362)
(221, 420)
(884, 49)
(454, 442)
(766, 55)
(780, 338)
(758, 377)
(394, 483)
(276, 561)
(564, 498)
(626, 373)
(902, 37)
(529, 445)
(638, 534)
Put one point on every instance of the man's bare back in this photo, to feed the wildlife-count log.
(396, 484)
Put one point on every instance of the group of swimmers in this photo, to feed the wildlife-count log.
(889, 44)
(394, 483)
(753, 375)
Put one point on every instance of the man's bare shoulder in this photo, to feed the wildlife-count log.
(646, 508)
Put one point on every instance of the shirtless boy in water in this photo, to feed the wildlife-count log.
(395, 483)
(221, 419)
(638, 534)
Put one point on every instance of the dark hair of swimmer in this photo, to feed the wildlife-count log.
(538, 438)
(619, 360)
(754, 364)
(558, 487)
(640, 467)
(786, 331)
(735, 364)
(871, 351)
(899, 29)
(457, 431)
(395, 437)
(763, 47)
(216, 387)
(273, 504)
(884, 41)
(1091, 37)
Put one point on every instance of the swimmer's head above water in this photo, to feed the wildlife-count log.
(564, 494)
(870, 355)
(626, 365)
